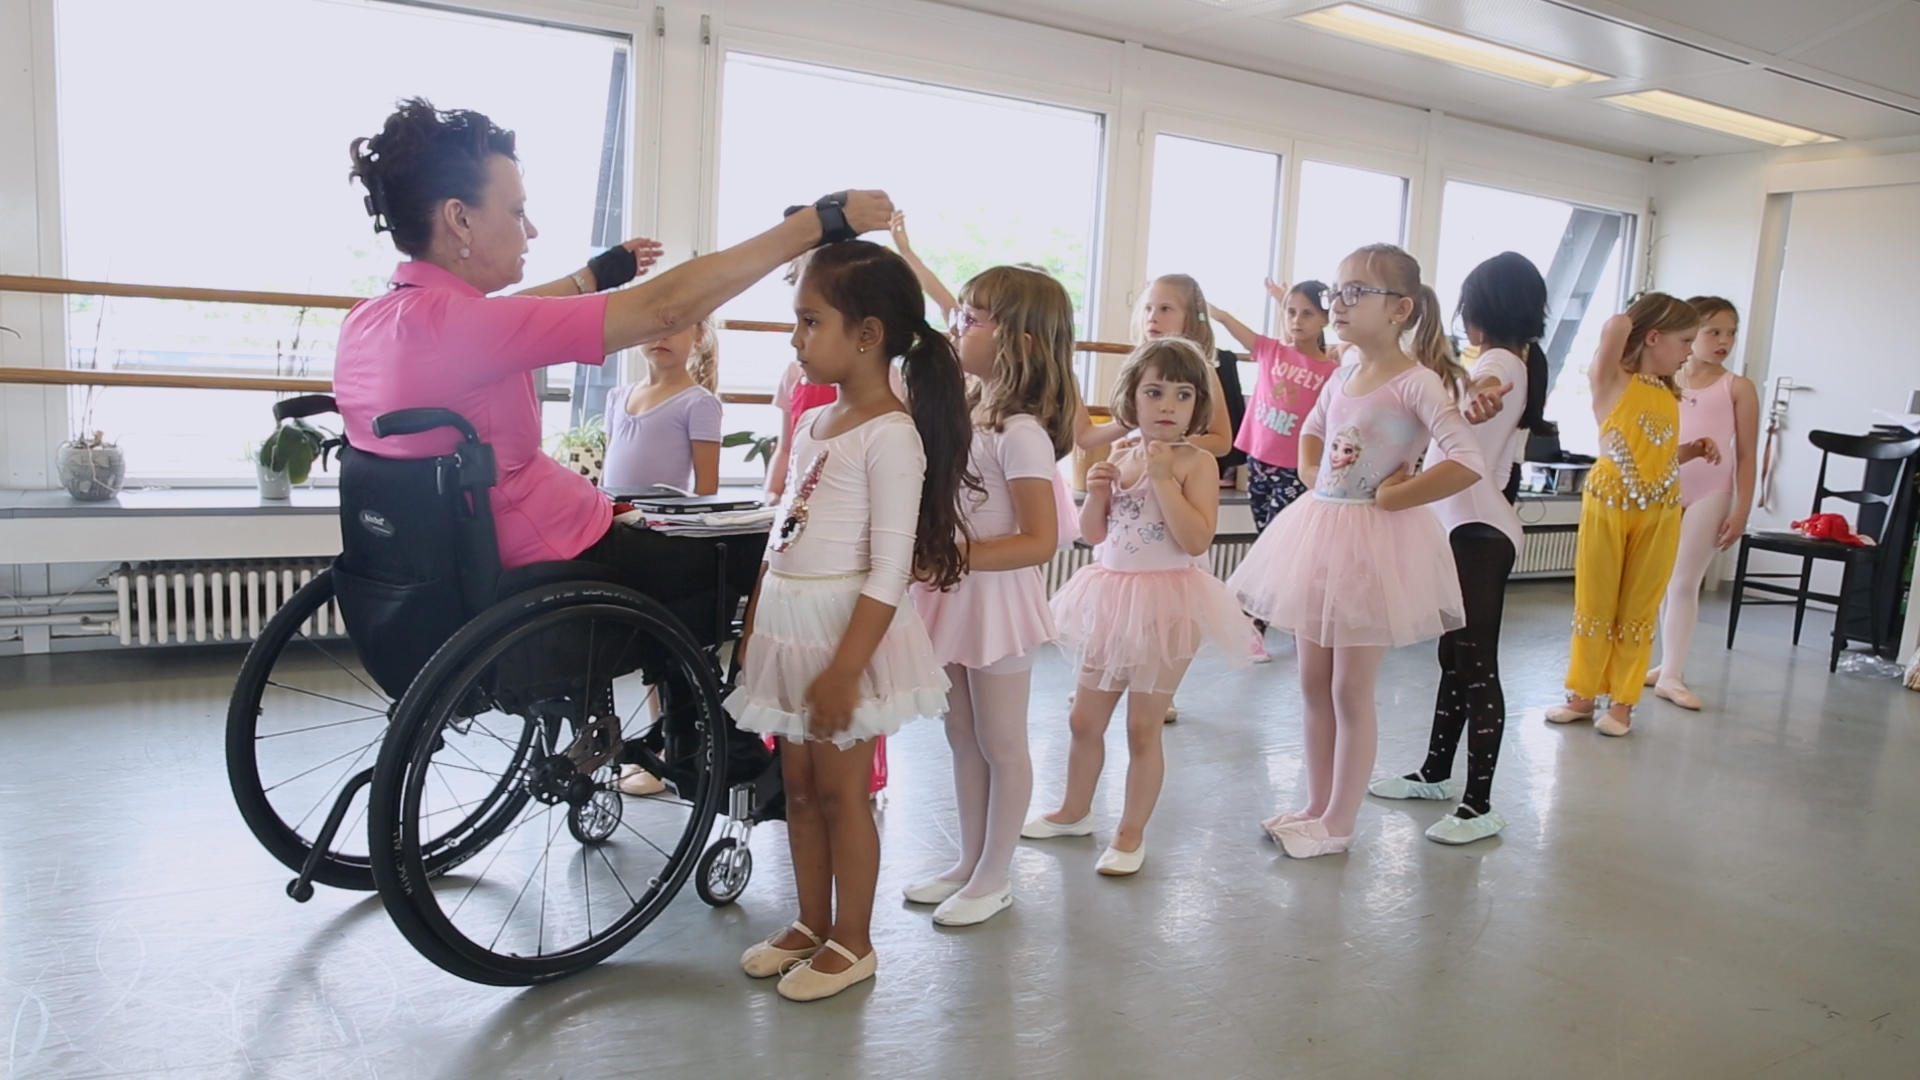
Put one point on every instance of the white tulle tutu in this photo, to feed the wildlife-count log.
(1349, 573)
(1135, 629)
(797, 626)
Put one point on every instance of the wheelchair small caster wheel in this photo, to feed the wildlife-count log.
(301, 891)
(593, 821)
(722, 872)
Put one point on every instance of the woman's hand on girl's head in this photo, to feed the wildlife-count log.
(830, 702)
(868, 211)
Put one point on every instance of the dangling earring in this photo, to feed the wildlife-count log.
(466, 252)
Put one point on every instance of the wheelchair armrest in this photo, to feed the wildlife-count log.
(414, 421)
(298, 408)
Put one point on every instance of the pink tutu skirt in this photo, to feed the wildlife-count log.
(1349, 573)
(797, 625)
(990, 616)
(1136, 629)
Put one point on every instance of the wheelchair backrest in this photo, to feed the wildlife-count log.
(418, 558)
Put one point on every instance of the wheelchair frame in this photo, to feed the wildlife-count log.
(463, 478)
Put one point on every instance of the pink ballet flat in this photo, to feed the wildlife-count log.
(1312, 840)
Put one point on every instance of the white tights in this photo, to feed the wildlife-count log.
(1342, 729)
(992, 771)
(1699, 527)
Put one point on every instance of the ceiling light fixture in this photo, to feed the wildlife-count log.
(1394, 32)
(1705, 114)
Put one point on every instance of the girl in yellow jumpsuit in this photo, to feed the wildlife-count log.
(1630, 512)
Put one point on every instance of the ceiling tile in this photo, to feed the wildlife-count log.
(1557, 33)
(1770, 26)
(1779, 97)
(1883, 52)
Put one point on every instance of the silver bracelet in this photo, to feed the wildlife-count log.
(580, 281)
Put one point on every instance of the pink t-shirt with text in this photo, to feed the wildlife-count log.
(434, 341)
(1286, 384)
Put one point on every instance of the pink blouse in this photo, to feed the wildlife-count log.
(435, 341)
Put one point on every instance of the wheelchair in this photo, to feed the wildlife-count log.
(486, 713)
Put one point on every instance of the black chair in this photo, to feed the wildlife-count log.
(1886, 497)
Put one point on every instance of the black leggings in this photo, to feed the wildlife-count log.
(1470, 696)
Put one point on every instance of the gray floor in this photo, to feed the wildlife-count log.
(1735, 893)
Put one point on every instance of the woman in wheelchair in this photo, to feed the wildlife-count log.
(833, 656)
(447, 186)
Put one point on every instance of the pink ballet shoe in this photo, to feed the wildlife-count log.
(1312, 840)
(1565, 713)
(1284, 823)
(1680, 696)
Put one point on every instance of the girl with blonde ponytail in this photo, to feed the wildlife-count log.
(1350, 571)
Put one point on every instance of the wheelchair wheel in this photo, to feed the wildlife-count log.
(723, 872)
(580, 666)
(304, 719)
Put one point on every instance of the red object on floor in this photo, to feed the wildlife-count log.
(1831, 527)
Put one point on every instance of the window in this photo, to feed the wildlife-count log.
(1578, 249)
(983, 180)
(227, 169)
(1343, 208)
(1214, 215)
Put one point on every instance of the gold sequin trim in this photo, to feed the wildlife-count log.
(1633, 632)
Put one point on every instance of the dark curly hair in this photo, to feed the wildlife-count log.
(421, 158)
(861, 279)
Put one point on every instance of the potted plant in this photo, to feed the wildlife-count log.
(91, 467)
(584, 449)
(286, 457)
(758, 446)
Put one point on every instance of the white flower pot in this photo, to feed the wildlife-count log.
(274, 483)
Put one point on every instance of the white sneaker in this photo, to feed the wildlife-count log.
(1039, 828)
(1259, 651)
(961, 910)
(932, 891)
(1399, 787)
(1458, 830)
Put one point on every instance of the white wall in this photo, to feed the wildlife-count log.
(676, 112)
(1817, 245)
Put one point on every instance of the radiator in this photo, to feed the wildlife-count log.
(1222, 558)
(1547, 552)
(191, 602)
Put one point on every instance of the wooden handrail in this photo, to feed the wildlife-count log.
(278, 384)
(67, 287)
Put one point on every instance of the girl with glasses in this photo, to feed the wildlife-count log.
(1358, 568)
